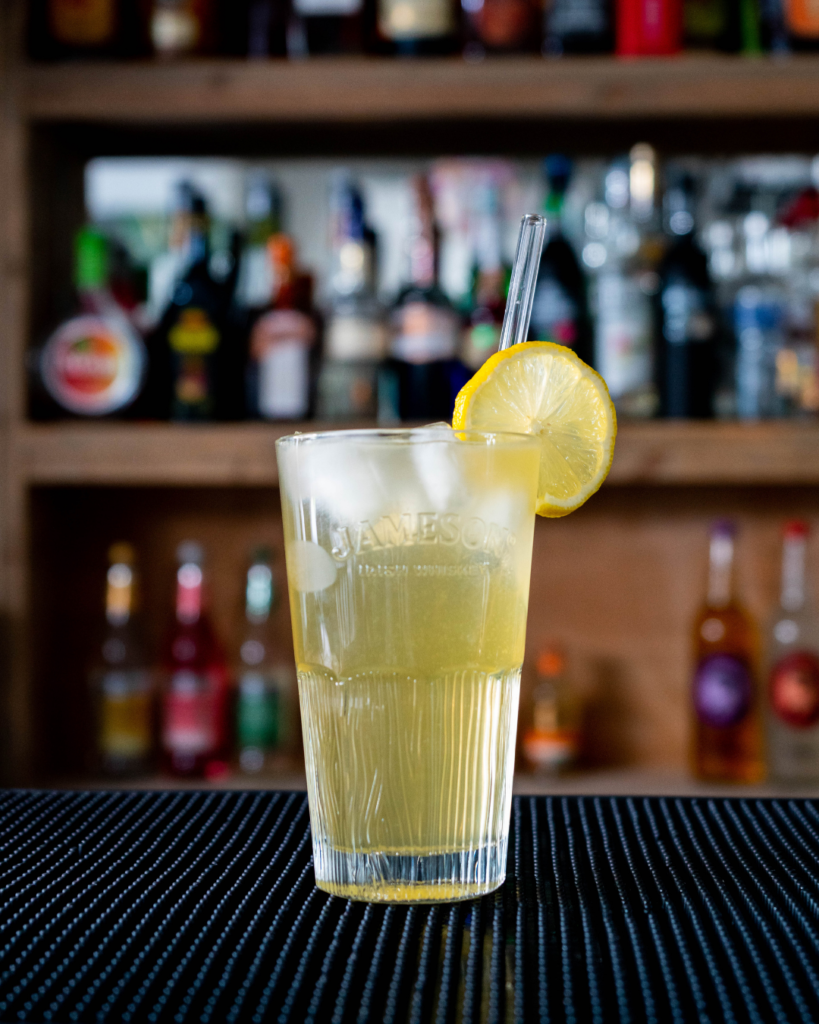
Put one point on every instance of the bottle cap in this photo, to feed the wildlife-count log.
(190, 551)
(550, 662)
(723, 528)
(121, 553)
(795, 528)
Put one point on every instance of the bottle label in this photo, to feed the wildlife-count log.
(415, 19)
(125, 715)
(794, 690)
(324, 8)
(258, 711)
(92, 366)
(722, 691)
(355, 337)
(193, 333)
(802, 17)
(82, 22)
(577, 17)
(623, 340)
(685, 318)
(424, 333)
(191, 719)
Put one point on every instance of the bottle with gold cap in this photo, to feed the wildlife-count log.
(122, 681)
(551, 743)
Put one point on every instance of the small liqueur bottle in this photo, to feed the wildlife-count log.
(355, 337)
(560, 310)
(264, 683)
(648, 28)
(793, 669)
(578, 26)
(416, 28)
(500, 26)
(64, 29)
(282, 341)
(182, 28)
(687, 366)
(93, 364)
(552, 743)
(195, 702)
(424, 326)
(727, 720)
(325, 26)
(802, 24)
(121, 682)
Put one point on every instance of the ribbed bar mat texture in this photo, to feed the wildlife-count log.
(171, 907)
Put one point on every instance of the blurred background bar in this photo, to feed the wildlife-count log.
(225, 220)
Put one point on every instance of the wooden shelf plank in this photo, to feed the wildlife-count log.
(652, 454)
(372, 89)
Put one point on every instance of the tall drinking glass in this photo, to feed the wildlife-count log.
(408, 562)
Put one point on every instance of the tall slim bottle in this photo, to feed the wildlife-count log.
(121, 681)
(726, 705)
(264, 683)
(195, 703)
(793, 669)
(424, 326)
(686, 313)
(560, 311)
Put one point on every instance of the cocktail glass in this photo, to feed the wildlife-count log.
(408, 561)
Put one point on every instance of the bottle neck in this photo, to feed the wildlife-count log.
(720, 571)
(258, 593)
(119, 594)
(793, 574)
(188, 593)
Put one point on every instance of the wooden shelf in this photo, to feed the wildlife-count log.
(372, 89)
(658, 453)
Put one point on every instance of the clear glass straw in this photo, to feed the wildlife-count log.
(522, 286)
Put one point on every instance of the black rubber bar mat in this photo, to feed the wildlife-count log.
(172, 907)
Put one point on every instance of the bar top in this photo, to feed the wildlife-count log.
(177, 906)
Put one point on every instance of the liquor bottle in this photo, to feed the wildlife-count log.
(732, 26)
(727, 720)
(424, 326)
(266, 29)
(560, 310)
(121, 682)
(94, 364)
(195, 701)
(500, 26)
(802, 24)
(264, 682)
(552, 742)
(355, 334)
(325, 26)
(625, 253)
(59, 29)
(578, 26)
(648, 28)
(489, 280)
(263, 219)
(282, 341)
(195, 362)
(759, 326)
(793, 669)
(182, 28)
(686, 314)
(415, 28)
(773, 30)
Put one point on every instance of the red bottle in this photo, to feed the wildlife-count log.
(195, 712)
(649, 28)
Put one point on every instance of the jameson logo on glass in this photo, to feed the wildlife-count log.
(727, 727)
(408, 560)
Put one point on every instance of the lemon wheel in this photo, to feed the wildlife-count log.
(543, 389)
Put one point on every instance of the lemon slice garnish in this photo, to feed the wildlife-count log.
(543, 389)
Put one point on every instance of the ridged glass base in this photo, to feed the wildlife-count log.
(410, 781)
(403, 878)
